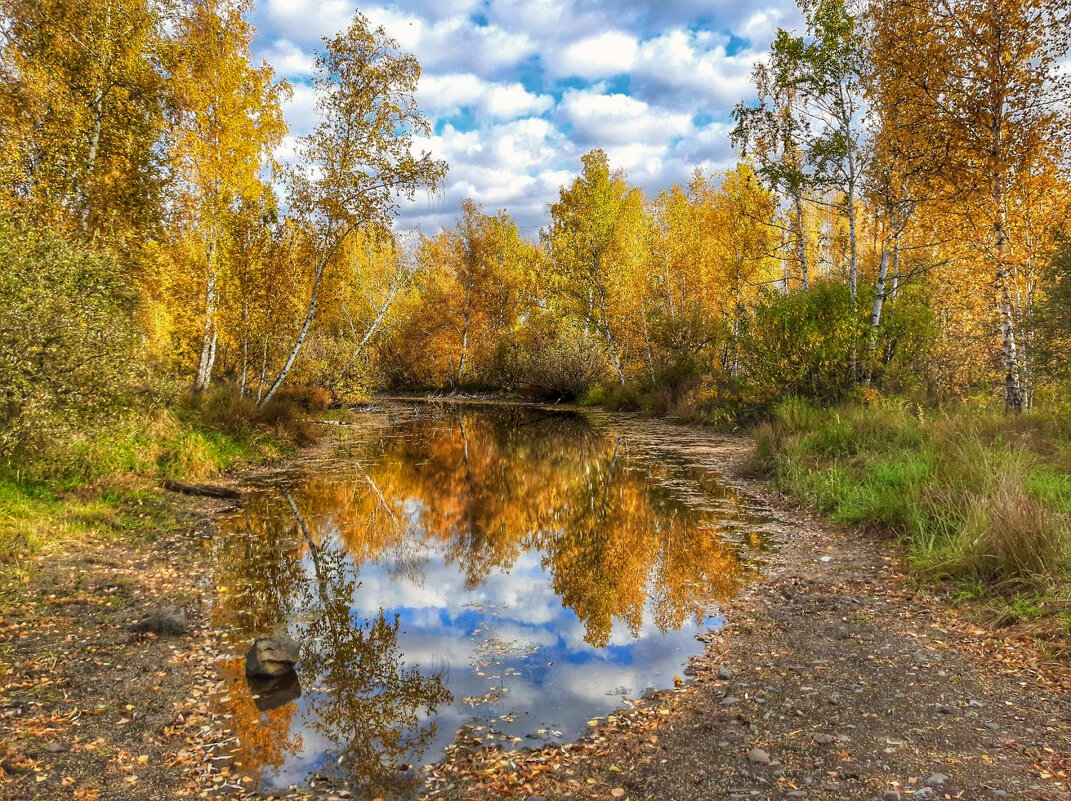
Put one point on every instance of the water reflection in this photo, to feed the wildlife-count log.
(502, 573)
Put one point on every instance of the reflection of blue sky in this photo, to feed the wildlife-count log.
(554, 681)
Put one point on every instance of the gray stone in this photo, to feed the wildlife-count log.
(170, 620)
(725, 673)
(271, 656)
(891, 795)
(796, 794)
(729, 701)
(993, 726)
(924, 792)
(723, 744)
(975, 704)
(757, 756)
(823, 739)
(689, 671)
(936, 780)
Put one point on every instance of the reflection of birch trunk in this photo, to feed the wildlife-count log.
(405, 563)
(379, 495)
(609, 479)
(314, 549)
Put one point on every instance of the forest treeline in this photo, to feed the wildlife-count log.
(895, 225)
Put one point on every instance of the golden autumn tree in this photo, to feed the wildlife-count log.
(477, 286)
(596, 241)
(984, 78)
(739, 218)
(352, 169)
(81, 113)
(227, 120)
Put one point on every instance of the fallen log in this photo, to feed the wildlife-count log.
(205, 490)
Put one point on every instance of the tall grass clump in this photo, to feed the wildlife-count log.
(976, 497)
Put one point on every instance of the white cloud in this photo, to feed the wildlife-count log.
(617, 119)
(601, 56)
(288, 59)
(518, 90)
(448, 94)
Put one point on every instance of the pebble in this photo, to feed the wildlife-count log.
(936, 780)
(975, 704)
(891, 795)
(729, 700)
(924, 792)
(796, 794)
(993, 726)
(944, 710)
(757, 756)
(823, 739)
(723, 744)
(725, 673)
(1000, 794)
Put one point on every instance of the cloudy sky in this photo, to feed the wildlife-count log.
(518, 90)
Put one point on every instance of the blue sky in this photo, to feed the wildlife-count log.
(518, 90)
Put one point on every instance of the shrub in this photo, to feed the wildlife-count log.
(552, 361)
(67, 338)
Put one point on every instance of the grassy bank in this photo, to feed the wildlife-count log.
(105, 482)
(979, 499)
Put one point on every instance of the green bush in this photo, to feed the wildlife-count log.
(67, 338)
(802, 343)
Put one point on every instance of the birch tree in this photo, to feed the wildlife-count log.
(356, 165)
(986, 80)
(589, 242)
(228, 119)
(81, 112)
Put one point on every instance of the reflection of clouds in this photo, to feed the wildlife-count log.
(476, 597)
(564, 684)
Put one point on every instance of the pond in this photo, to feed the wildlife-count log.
(467, 573)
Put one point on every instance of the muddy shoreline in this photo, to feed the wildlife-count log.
(845, 682)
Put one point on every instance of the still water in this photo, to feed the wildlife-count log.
(464, 573)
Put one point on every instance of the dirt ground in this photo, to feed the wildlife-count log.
(832, 679)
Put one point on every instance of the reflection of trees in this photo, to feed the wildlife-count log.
(480, 487)
(258, 564)
(263, 738)
(373, 705)
(483, 485)
(491, 483)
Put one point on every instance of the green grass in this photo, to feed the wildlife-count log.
(976, 497)
(102, 483)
